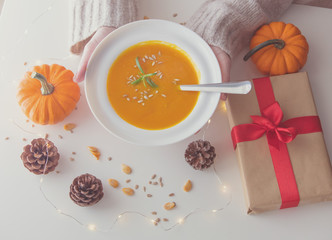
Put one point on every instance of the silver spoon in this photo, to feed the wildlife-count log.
(242, 87)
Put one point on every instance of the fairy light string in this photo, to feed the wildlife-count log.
(91, 226)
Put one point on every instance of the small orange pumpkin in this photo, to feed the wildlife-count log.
(278, 48)
(48, 94)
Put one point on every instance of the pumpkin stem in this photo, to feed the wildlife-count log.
(46, 88)
(278, 43)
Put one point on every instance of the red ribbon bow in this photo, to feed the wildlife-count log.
(269, 123)
(278, 134)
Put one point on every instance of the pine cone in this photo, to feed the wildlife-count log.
(39, 153)
(86, 190)
(200, 154)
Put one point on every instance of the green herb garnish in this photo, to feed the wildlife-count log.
(144, 77)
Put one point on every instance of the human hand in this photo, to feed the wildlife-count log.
(88, 50)
(225, 66)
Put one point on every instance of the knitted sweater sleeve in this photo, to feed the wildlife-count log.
(87, 16)
(229, 24)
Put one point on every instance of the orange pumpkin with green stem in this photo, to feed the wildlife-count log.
(48, 94)
(278, 48)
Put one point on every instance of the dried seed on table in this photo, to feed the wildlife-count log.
(187, 187)
(95, 152)
(136, 187)
(144, 188)
(7, 138)
(24, 139)
(74, 153)
(165, 219)
(171, 194)
(60, 136)
(126, 169)
(69, 126)
(46, 136)
(154, 213)
(114, 183)
(153, 176)
(169, 205)
(157, 220)
(128, 191)
(161, 184)
(109, 158)
(57, 171)
(175, 15)
(155, 183)
(149, 195)
(128, 180)
(71, 159)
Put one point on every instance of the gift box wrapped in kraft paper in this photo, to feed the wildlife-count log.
(279, 143)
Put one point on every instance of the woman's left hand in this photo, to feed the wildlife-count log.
(225, 66)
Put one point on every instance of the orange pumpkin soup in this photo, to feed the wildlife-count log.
(142, 85)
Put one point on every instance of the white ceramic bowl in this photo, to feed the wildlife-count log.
(122, 38)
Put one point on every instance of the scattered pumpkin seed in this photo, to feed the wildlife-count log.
(95, 152)
(187, 187)
(126, 169)
(128, 191)
(69, 126)
(114, 183)
(169, 205)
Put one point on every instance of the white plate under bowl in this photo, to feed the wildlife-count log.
(122, 38)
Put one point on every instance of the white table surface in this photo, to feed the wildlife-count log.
(34, 32)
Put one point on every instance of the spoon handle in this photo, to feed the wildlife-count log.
(242, 87)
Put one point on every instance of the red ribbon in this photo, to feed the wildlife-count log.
(278, 135)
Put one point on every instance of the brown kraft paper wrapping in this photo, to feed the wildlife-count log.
(308, 154)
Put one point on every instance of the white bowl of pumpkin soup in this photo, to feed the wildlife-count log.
(133, 77)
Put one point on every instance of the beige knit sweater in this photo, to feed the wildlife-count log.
(227, 24)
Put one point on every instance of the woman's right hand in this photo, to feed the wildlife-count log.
(88, 50)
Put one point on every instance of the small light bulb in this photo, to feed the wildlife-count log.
(224, 188)
(92, 227)
(223, 107)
